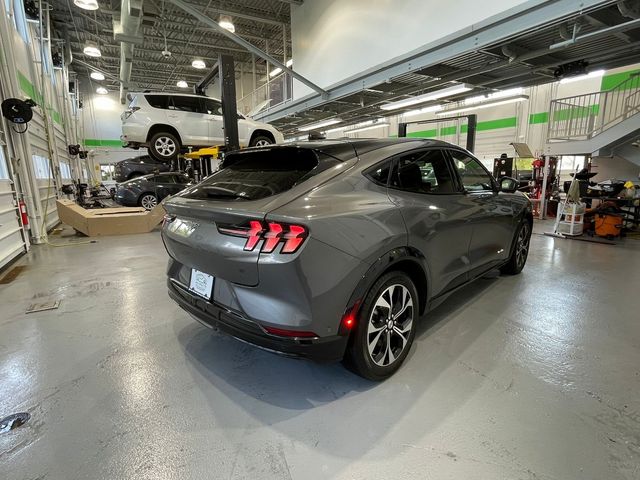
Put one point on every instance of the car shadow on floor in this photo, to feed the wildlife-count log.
(295, 385)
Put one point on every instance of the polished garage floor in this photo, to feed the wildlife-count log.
(528, 377)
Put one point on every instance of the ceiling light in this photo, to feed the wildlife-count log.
(226, 23)
(432, 108)
(199, 64)
(370, 127)
(97, 76)
(577, 78)
(519, 98)
(182, 84)
(102, 91)
(494, 96)
(428, 97)
(276, 71)
(91, 49)
(86, 4)
(316, 126)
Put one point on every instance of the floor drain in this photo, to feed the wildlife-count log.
(13, 421)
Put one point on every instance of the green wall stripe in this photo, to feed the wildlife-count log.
(96, 142)
(448, 131)
(424, 134)
(541, 117)
(30, 90)
(615, 79)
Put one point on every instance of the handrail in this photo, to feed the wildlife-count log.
(582, 117)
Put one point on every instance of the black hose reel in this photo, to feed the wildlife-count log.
(18, 111)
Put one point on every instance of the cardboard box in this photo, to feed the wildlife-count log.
(109, 221)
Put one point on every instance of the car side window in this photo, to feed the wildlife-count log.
(473, 175)
(380, 173)
(157, 101)
(423, 172)
(212, 107)
(186, 104)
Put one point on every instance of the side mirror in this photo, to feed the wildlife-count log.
(508, 184)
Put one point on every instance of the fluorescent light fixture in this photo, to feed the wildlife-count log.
(182, 84)
(512, 92)
(369, 127)
(428, 97)
(226, 23)
(86, 4)
(199, 64)
(318, 125)
(97, 76)
(276, 71)
(432, 108)
(91, 49)
(102, 91)
(334, 130)
(577, 78)
(478, 106)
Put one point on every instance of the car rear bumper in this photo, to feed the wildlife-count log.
(320, 349)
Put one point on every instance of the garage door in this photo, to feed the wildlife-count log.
(11, 239)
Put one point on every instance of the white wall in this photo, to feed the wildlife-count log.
(335, 39)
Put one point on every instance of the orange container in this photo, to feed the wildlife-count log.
(608, 225)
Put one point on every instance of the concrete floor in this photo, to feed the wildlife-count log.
(528, 377)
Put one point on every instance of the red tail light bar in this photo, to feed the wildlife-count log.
(273, 234)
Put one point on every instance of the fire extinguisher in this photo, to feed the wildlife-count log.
(23, 214)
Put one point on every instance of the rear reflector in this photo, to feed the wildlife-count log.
(273, 234)
(289, 333)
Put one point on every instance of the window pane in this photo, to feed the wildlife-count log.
(41, 166)
(473, 175)
(213, 107)
(156, 101)
(186, 104)
(4, 169)
(380, 174)
(423, 172)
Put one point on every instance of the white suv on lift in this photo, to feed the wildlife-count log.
(167, 122)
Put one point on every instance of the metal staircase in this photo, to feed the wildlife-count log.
(584, 124)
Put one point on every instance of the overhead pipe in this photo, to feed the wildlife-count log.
(127, 30)
(629, 9)
(598, 33)
(249, 46)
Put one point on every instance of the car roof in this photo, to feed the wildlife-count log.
(346, 148)
(174, 94)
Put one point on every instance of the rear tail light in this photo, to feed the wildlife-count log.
(130, 111)
(272, 233)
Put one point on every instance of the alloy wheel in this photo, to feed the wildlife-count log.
(390, 325)
(149, 201)
(165, 146)
(262, 143)
(522, 245)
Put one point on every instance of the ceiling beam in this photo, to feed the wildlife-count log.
(252, 48)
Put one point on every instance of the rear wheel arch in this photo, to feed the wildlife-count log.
(403, 259)
(163, 128)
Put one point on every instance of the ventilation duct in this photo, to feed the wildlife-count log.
(127, 31)
(629, 8)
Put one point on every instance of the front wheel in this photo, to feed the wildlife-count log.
(164, 147)
(519, 251)
(148, 201)
(260, 141)
(385, 329)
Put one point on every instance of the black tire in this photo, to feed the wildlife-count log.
(377, 327)
(148, 201)
(519, 250)
(164, 146)
(261, 141)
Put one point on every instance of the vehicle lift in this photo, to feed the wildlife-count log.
(472, 124)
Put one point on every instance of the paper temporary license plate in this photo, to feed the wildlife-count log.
(201, 283)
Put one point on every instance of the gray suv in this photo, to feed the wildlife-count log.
(332, 250)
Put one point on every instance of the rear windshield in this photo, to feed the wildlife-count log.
(260, 174)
